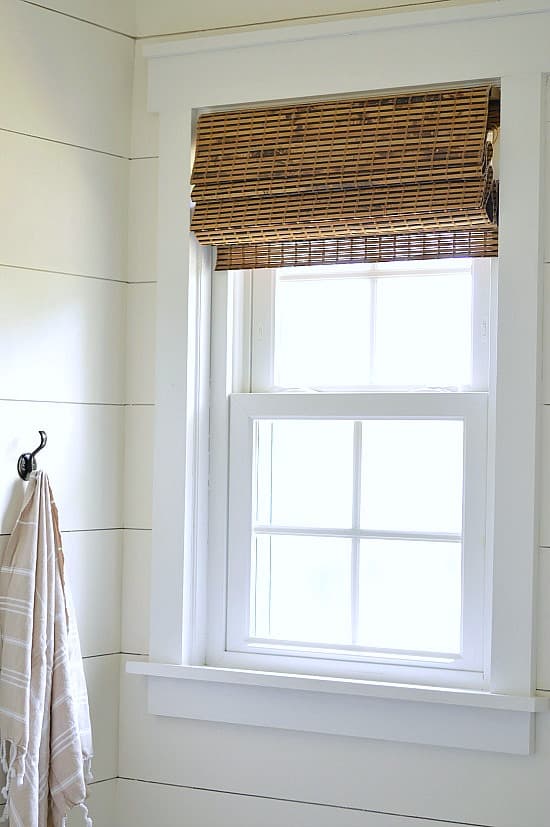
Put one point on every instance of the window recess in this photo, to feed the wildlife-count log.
(356, 513)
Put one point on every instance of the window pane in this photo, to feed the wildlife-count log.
(410, 595)
(322, 332)
(304, 473)
(302, 589)
(423, 331)
(411, 475)
(438, 265)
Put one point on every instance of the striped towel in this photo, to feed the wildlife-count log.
(45, 736)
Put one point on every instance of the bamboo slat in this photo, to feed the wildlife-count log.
(358, 249)
(443, 206)
(392, 166)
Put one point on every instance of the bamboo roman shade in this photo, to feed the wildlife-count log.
(376, 179)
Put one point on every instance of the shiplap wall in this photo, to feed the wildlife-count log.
(116, 15)
(64, 170)
(183, 772)
(165, 17)
(68, 164)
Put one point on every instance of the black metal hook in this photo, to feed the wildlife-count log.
(26, 462)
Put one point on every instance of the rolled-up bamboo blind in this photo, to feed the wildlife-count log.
(376, 179)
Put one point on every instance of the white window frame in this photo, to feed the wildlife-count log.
(243, 309)
(189, 76)
(239, 651)
(260, 293)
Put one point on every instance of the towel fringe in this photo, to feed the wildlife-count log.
(3, 758)
(88, 774)
(88, 820)
(13, 764)
(14, 767)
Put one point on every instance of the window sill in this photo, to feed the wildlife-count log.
(462, 718)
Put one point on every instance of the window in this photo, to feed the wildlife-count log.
(499, 717)
(357, 464)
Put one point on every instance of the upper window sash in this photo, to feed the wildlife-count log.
(262, 292)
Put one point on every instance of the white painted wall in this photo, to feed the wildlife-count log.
(164, 17)
(75, 264)
(182, 772)
(64, 169)
(117, 15)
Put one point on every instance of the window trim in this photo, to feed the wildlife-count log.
(463, 719)
(217, 72)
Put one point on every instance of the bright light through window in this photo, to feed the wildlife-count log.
(357, 469)
(377, 326)
(358, 535)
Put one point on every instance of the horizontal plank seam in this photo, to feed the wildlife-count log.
(63, 402)
(80, 19)
(102, 655)
(70, 531)
(103, 780)
(92, 530)
(71, 275)
(85, 404)
(311, 803)
(88, 530)
(64, 143)
(123, 405)
(239, 26)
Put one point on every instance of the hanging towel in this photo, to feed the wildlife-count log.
(45, 735)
